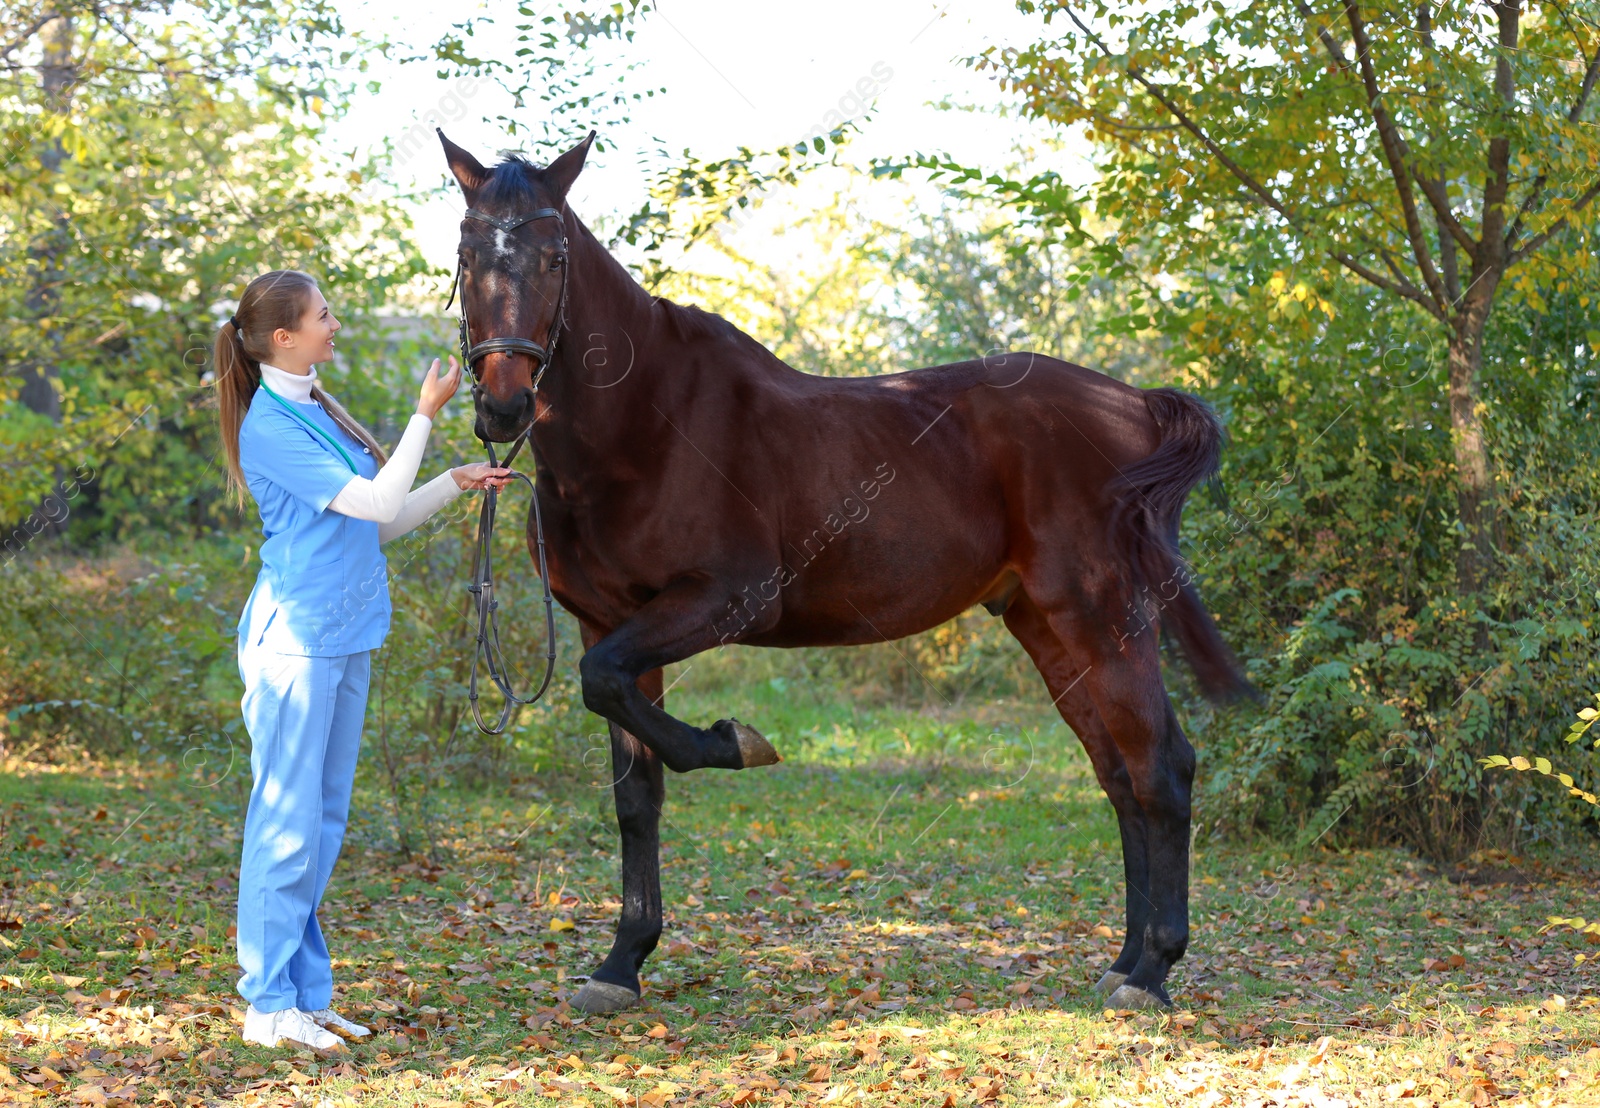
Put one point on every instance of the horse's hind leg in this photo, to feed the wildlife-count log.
(1123, 679)
(638, 789)
(1064, 679)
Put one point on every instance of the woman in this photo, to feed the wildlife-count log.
(327, 496)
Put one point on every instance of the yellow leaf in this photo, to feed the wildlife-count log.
(562, 925)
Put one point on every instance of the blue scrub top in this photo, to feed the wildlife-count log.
(323, 590)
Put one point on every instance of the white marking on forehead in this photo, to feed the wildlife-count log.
(502, 244)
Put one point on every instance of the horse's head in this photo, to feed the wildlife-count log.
(513, 275)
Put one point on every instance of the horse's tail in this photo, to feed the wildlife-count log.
(1147, 503)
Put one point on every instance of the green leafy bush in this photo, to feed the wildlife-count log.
(1333, 572)
(1575, 734)
(124, 654)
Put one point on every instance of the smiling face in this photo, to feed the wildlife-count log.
(311, 342)
(513, 276)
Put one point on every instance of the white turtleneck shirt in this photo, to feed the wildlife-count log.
(387, 499)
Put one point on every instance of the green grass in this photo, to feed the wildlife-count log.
(911, 908)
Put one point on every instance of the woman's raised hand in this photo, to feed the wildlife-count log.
(436, 390)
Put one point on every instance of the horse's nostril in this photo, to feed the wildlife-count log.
(514, 409)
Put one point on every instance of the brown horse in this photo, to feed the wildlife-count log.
(698, 491)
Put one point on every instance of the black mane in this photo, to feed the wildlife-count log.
(510, 182)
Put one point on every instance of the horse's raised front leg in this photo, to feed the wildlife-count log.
(676, 624)
(639, 792)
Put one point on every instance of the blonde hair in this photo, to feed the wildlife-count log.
(273, 300)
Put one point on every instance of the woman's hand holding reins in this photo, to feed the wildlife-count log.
(481, 475)
(436, 390)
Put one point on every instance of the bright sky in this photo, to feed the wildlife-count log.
(759, 75)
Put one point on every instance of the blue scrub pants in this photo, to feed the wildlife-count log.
(304, 716)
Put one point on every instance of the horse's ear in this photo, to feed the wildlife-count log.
(560, 173)
(468, 172)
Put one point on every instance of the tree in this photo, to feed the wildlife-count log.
(926, 286)
(1433, 151)
(557, 60)
(168, 153)
(571, 61)
(1577, 732)
(55, 85)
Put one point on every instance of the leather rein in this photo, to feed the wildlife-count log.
(487, 650)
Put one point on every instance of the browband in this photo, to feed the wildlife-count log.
(511, 224)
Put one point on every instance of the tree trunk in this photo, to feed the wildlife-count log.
(57, 74)
(42, 302)
(1475, 502)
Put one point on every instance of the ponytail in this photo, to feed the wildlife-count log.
(273, 300)
(237, 376)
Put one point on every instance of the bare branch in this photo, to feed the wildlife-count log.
(1451, 233)
(1116, 124)
(1392, 266)
(1394, 152)
(1497, 184)
(1589, 77)
(1249, 182)
(1399, 288)
(1561, 10)
(1439, 200)
(1448, 263)
(1536, 194)
(1554, 229)
(1335, 51)
(17, 42)
(1434, 190)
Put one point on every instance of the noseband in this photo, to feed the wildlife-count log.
(487, 651)
(470, 351)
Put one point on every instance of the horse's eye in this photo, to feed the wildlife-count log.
(558, 261)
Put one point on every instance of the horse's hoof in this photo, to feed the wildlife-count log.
(599, 997)
(1110, 983)
(754, 749)
(1133, 998)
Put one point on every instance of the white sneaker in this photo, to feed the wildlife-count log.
(290, 1024)
(327, 1017)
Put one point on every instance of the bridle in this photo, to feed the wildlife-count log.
(470, 352)
(487, 650)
